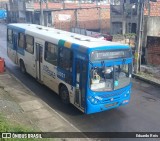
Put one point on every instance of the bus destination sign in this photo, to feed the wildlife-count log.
(103, 55)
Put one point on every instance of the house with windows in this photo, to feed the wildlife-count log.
(3, 4)
(124, 17)
(16, 11)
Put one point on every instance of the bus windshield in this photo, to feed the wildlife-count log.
(110, 78)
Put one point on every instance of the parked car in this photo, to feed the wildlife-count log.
(107, 37)
(102, 36)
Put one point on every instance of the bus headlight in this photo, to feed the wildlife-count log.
(125, 95)
(125, 101)
(93, 100)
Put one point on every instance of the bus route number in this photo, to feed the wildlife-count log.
(61, 74)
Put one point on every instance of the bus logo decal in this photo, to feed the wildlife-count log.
(61, 75)
(48, 71)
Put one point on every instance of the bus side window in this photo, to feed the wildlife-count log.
(78, 71)
(65, 59)
(84, 75)
(10, 36)
(29, 44)
(51, 53)
(21, 40)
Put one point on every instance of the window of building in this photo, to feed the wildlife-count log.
(51, 53)
(21, 40)
(10, 36)
(65, 59)
(29, 44)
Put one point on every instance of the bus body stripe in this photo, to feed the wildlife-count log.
(68, 44)
(75, 46)
(20, 50)
(79, 48)
(112, 47)
(61, 43)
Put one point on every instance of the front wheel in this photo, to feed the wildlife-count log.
(64, 94)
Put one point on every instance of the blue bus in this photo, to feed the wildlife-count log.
(92, 74)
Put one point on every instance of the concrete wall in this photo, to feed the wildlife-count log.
(153, 27)
(153, 50)
(89, 16)
(97, 19)
(124, 14)
(105, 20)
(64, 25)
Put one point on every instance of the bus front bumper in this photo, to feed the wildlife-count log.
(94, 108)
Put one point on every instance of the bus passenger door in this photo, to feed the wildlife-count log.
(80, 91)
(39, 61)
(14, 50)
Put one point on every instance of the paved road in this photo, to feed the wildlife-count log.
(141, 115)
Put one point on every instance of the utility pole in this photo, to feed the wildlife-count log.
(124, 19)
(79, 3)
(46, 21)
(63, 4)
(47, 4)
(7, 18)
(139, 36)
(140, 33)
(96, 2)
(41, 11)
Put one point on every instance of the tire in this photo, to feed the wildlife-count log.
(64, 94)
(22, 67)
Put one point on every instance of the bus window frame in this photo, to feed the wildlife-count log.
(70, 70)
(24, 40)
(10, 41)
(26, 44)
(46, 43)
(113, 87)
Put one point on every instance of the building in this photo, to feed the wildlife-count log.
(123, 17)
(16, 11)
(64, 15)
(151, 40)
(3, 4)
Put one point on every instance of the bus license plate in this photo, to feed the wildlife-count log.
(110, 105)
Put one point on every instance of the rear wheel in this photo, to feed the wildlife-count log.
(64, 94)
(22, 67)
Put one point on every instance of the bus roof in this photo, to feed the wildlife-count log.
(52, 34)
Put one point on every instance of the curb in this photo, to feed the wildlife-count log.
(69, 123)
(145, 80)
(12, 75)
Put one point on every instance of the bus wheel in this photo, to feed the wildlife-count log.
(22, 67)
(64, 94)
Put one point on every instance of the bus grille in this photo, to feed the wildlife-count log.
(112, 94)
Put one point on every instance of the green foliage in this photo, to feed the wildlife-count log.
(125, 36)
(6, 126)
(130, 35)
